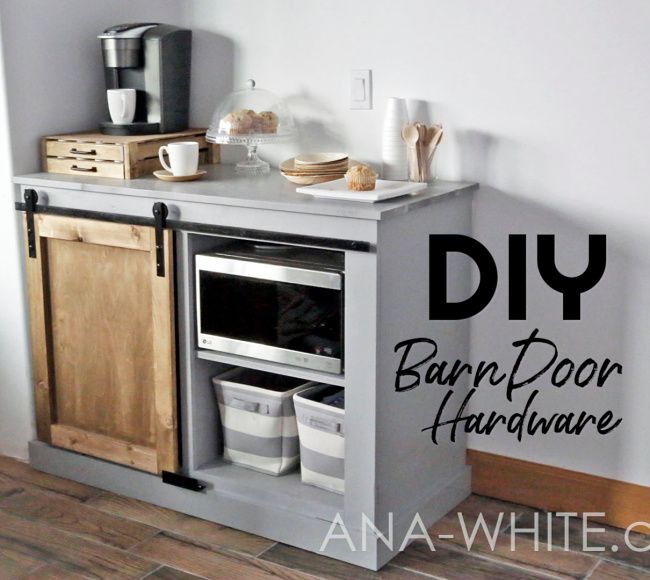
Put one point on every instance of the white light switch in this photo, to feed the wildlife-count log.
(360, 89)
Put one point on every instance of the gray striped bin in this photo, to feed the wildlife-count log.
(258, 419)
(322, 440)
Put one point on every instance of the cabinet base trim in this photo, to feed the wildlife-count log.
(558, 490)
(136, 456)
(241, 511)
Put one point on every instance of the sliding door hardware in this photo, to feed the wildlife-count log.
(160, 213)
(31, 198)
(182, 481)
(206, 228)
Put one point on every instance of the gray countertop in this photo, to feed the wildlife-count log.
(222, 186)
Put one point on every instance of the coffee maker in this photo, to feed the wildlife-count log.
(154, 59)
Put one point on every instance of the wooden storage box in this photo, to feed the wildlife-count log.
(121, 157)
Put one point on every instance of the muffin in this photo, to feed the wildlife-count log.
(256, 121)
(236, 123)
(269, 122)
(361, 178)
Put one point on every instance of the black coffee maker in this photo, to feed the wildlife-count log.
(154, 59)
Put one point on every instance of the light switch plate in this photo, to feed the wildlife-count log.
(361, 89)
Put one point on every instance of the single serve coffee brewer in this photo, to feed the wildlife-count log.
(154, 59)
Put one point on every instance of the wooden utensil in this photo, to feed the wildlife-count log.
(410, 136)
(431, 133)
(435, 141)
(422, 132)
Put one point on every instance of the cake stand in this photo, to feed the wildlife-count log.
(251, 117)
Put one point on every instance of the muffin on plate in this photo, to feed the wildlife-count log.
(256, 121)
(361, 178)
(269, 122)
(236, 123)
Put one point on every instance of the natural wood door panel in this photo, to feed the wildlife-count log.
(94, 232)
(102, 327)
(89, 443)
(164, 367)
(41, 339)
(102, 339)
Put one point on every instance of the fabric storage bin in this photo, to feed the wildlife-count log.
(258, 419)
(321, 413)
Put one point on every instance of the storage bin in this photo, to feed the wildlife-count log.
(258, 419)
(321, 414)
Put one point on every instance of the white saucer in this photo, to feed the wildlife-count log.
(167, 176)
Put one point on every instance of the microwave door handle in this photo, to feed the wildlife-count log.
(273, 272)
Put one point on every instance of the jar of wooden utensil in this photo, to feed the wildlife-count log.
(421, 144)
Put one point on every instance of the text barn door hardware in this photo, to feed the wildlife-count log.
(31, 198)
(160, 213)
(182, 481)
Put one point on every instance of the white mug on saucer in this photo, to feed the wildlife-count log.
(183, 158)
(121, 105)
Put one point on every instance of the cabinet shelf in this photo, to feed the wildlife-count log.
(269, 490)
(271, 367)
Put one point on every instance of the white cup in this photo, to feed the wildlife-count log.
(183, 158)
(121, 105)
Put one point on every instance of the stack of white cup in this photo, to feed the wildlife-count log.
(393, 150)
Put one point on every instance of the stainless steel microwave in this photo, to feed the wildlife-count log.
(272, 302)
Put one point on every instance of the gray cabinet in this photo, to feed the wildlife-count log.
(392, 469)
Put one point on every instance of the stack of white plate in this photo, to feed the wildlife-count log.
(393, 150)
(312, 168)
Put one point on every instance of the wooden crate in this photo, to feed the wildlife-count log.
(120, 157)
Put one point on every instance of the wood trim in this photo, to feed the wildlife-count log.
(39, 316)
(94, 232)
(129, 159)
(214, 153)
(556, 489)
(164, 338)
(43, 146)
(84, 167)
(104, 447)
(79, 150)
(101, 138)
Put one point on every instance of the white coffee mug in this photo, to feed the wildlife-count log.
(121, 105)
(183, 158)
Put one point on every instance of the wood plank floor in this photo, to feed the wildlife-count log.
(52, 528)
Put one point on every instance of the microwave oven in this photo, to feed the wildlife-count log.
(272, 302)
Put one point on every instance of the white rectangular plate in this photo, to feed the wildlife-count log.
(338, 189)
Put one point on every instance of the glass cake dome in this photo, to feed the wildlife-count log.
(251, 117)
